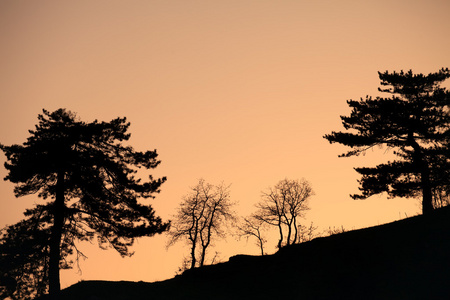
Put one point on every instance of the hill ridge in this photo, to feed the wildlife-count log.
(404, 259)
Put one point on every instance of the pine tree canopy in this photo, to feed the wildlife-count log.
(415, 122)
(88, 181)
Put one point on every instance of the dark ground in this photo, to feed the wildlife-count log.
(407, 259)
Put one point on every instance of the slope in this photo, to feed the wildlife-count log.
(407, 259)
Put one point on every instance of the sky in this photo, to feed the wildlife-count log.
(240, 92)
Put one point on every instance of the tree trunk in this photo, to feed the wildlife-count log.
(427, 197)
(281, 233)
(295, 231)
(209, 226)
(424, 170)
(288, 237)
(261, 247)
(202, 258)
(260, 240)
(193, 260)
(205, 244)
(55, 239)
(194, 243)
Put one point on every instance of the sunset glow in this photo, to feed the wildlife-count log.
(240, 92)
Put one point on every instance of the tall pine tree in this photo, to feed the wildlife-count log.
(415, 122)
(86, 178)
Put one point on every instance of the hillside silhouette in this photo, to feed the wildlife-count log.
(406, 259)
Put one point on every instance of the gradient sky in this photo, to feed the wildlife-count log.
(233, 91)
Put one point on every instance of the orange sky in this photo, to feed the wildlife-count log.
(233, 91)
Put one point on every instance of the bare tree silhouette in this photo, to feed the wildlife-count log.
(282, 205)
(201, 218)
(253, 227)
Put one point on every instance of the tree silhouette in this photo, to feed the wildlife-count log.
(24, 249)
(282, 205)
(415, 121)
(201, 218)
(253, 226)
(87, 178)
